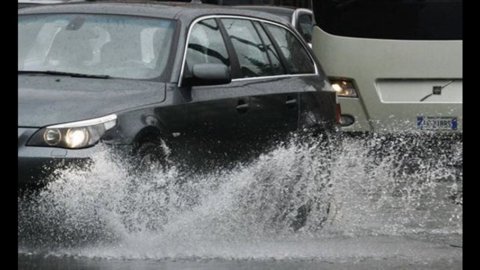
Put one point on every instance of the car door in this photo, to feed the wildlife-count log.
(316, 102)
(272, 105)
(216, 115)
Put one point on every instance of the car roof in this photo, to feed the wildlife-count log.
(183, 11)
(47, 1)
(283, 11)
(273, 9)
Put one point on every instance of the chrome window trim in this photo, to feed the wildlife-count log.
(244, 18)
(274, 77)
(89, 122)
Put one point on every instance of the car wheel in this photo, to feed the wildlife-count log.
(151, 155)
(319, 211)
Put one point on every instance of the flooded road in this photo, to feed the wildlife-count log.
(380, 252)
(296, 207)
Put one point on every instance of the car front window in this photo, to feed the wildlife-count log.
(108, 45)
(206, 45)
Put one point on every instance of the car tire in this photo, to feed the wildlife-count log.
(150, 155)
(305, 212)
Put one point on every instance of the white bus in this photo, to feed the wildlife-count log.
(396, 64)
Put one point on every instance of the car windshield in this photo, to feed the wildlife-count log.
(107, 45)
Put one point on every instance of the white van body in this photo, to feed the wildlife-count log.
(400, 84)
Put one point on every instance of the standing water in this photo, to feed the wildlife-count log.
(355, 198)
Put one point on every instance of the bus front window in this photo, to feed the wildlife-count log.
(387, 19)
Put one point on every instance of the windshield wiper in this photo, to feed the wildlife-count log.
(61, 73)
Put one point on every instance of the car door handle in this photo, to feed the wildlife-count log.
(242, 106)
(291, 102)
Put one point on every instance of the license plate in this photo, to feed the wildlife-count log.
(436, 123)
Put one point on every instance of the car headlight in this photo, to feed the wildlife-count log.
(74, 135)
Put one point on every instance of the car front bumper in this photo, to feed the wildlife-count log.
(35, 163)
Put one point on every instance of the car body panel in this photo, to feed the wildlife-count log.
(43, 100)
(36, 163)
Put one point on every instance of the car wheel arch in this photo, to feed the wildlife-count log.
(149, 145)
(147, 134)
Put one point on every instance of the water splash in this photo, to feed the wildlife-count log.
(304, 191)
(400, 185)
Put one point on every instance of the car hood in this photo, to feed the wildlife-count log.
(48, 100)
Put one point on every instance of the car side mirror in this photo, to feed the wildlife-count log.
(307, 37)
(208, 74)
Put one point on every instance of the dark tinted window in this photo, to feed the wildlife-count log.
(389, 19)
(297, 58)
(206, 45)
(250, 49)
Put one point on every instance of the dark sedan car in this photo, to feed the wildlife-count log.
(143, 77)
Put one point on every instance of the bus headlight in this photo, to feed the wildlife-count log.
(344, 87)
(74, 135)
